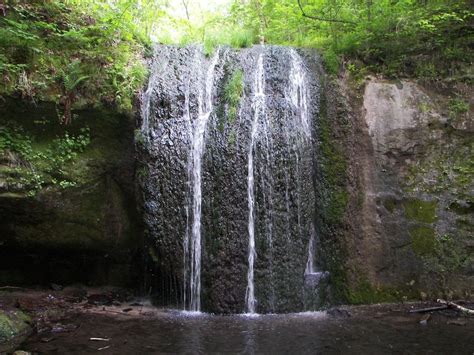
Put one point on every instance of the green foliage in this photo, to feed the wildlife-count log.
(426, 39)
(233, 93)
(65, 149)
(331, 61)
(242, 39)
(71, 76)
(73, 52)
(35, 168)
(457, 106)
(13, 139)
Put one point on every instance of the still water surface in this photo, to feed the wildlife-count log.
(175, 332)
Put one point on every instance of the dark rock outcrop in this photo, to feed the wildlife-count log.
(284, 178)
(87, 233)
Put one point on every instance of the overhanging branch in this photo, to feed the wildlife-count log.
(317, 18)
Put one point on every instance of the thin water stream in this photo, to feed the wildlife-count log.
(205, 108)
(259, 113)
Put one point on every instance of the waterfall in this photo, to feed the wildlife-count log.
(204, 111)
(299, 94)
(220, 190)
(189, 172)
(259, 111)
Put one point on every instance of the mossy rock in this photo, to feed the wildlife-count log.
(365, 292)
(420, 211)
(423, 240)
(78, 232)
(14, 327)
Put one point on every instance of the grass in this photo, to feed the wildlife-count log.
(233, 93)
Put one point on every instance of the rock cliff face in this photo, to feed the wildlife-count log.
(85, 233)
(389, 173)
(375, 187)
(412, 158)
(200, 222)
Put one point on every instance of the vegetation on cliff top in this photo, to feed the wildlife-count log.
(398, 38)
(84, 52)
(74, 53)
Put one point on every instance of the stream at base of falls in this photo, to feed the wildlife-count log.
(377, 329)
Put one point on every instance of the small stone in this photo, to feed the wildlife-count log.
(21, 352)
(337, 312)
(423, 296)
(46, 340)
(424, 319)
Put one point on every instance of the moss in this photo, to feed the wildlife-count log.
(420, 211)
(334, 171)
(447, 168)
(6, 328)
(423, 240)
(38, 166)
(457, 106)
(450, 256)
(13, 324)
(332, 196)
(143, 172)
(364, 293)
(95, 218)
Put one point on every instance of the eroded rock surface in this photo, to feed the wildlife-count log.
(416, 226)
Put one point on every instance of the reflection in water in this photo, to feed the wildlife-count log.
(249, 338)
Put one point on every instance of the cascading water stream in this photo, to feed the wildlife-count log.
(189, 131)
(259, 112)
(310, 263)
(205, 108)
(299, 95)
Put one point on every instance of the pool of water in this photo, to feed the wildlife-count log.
(370, 331)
